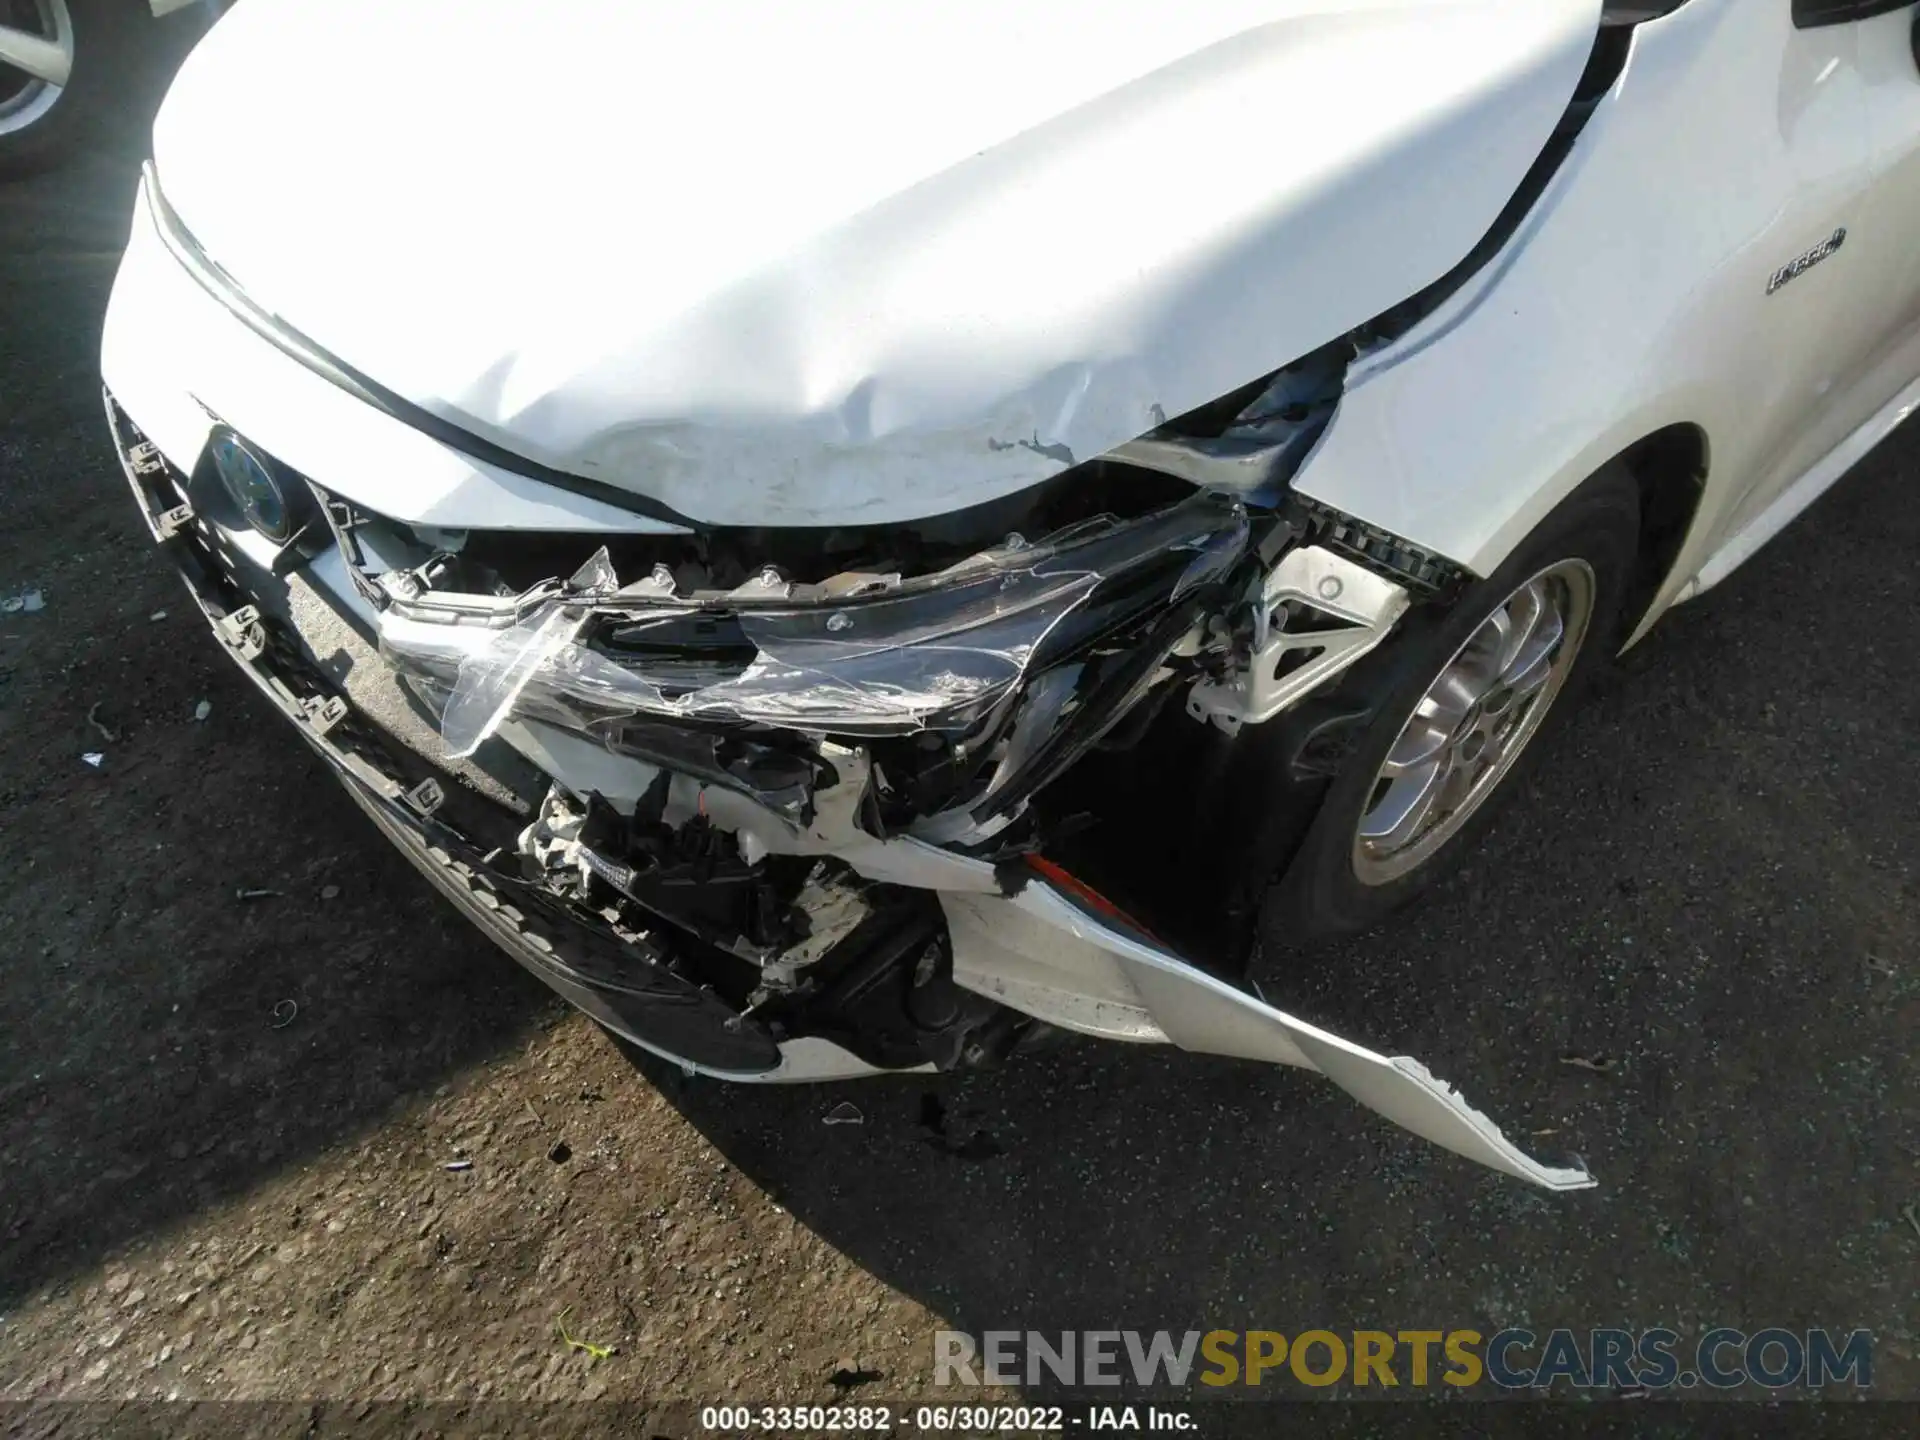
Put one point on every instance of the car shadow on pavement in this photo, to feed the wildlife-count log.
(214, 971)
(213, 987)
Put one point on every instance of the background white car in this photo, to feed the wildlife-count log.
(63, 65)
(725, 510)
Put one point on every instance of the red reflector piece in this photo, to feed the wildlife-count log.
(1086, 895)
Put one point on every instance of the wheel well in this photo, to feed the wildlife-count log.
(1670, 468)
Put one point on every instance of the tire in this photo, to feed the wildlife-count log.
(41, 124)
(1338, 882)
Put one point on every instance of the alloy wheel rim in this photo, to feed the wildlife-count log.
(1483, 708)
(43, 31)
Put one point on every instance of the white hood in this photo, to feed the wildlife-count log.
(847, 261)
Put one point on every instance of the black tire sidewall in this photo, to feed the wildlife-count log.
(1319, 896)
(104, 32)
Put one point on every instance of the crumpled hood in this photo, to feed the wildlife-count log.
(852, 261)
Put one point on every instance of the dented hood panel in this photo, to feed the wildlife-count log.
(855, 261)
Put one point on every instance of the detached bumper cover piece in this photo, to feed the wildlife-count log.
(1045, 954)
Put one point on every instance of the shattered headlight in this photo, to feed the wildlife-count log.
(866, 656)
(888, 666)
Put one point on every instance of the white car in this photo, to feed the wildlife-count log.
(850, 536)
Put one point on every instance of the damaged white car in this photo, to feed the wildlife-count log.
(849, 536)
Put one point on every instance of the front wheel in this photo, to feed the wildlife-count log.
(1463, 704)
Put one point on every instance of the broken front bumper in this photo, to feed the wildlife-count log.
(1029, 942)
(519, 728)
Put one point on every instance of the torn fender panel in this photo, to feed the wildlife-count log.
(1039, 952)
(854, 262)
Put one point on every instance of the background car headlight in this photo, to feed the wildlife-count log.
(265, 498)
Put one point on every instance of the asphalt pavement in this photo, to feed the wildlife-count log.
(1690, 955)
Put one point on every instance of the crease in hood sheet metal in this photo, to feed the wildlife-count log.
(881, 260)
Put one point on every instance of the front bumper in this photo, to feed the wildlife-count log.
(1017, 936)
(626, 984)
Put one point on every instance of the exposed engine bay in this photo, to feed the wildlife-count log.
(735, 705)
